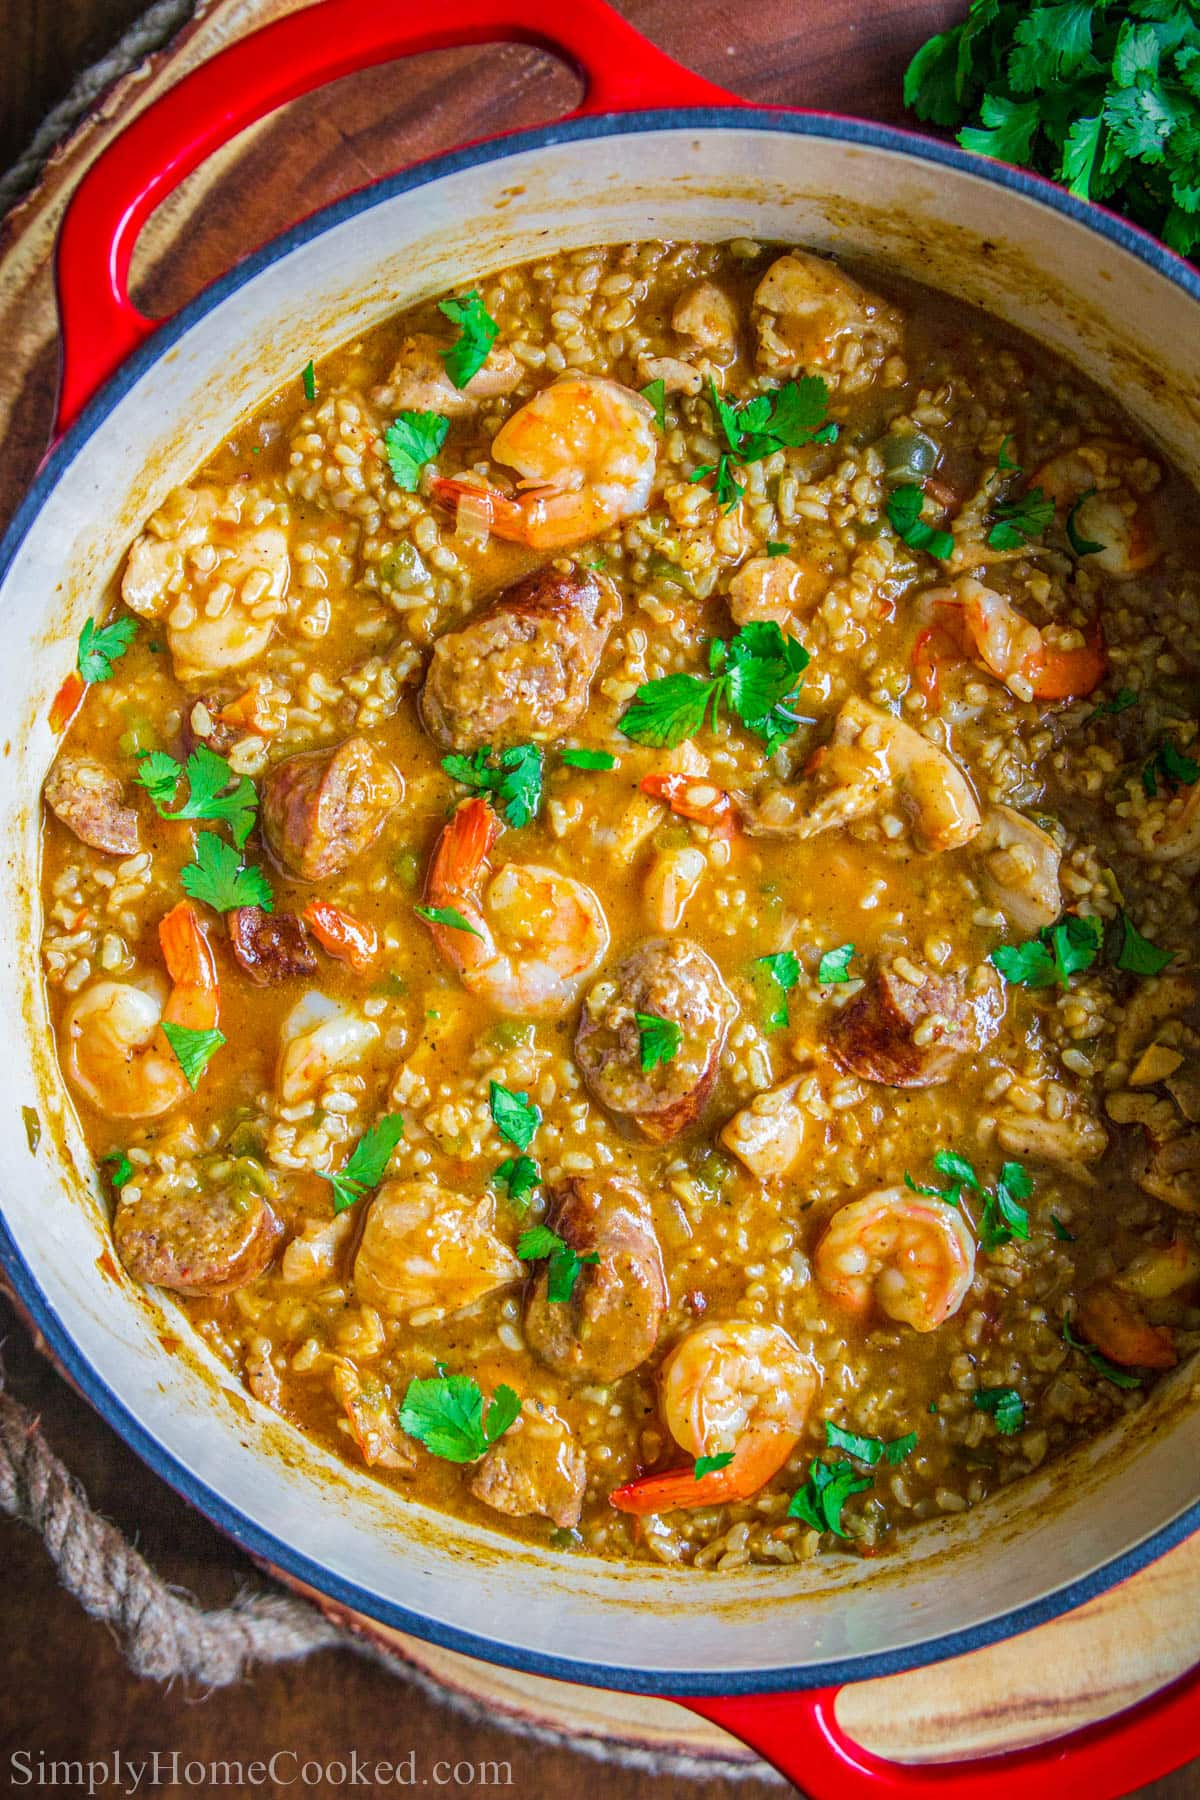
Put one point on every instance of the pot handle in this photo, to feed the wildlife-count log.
(621, 70)
(800, 1736)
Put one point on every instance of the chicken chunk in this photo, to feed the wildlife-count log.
(536, 1467)
(767, 1135)
(370, 1409)
(90, 802)
(610, 1324)
(905, 1035)
(425, 1249)
(808, 313)
(1018, 869)
(707, 316)
(322, 808)
(418, 381)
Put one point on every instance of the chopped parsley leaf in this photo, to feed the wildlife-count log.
(656, 393)
(308, 376)
(787, 418)
(1119, 1377)
(1005, 1405)
(587, 759)
(563, 1263)
(1080, 545)
(1121, 701)
(1060, 1231)
(1003, 1217)
(1019, 522)
(758, 673)
(1006, 464)
(122, 1170)
(782, 971)
(193, 1050)
(448, 916)
(101, 646)
(515, 1116)
(446, 1414)
(1171, 764)
(904, 505)
(514, 777)
(220, 878)
(1126, 948)
(208, 777)
(820, 1501)
(660, 1039)
(520, 1175)
(709, 1465)
(412, 440)
(776, 549)
(367, 1163)
(834, 966)
(869, 1449)
(958, 1172)
(477, 332)
(1053, 956)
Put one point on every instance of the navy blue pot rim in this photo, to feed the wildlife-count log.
(249, 1536)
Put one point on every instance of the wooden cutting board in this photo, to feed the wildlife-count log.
(822, 53)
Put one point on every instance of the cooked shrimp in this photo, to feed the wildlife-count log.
(587, 449)
(1178, 838)
(1029, 663)
(426, 1249)
(913, 1257)
(370, 1410)
(220, 582)
(1114, 1323)
(728, 1387)
(807, 310)
(317, 1037)
(117, 1054)
(778, 588)
(872, 760)
(1088, 482)
(554, 927)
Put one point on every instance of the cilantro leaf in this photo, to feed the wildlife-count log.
(1003, 1217)
(101, 646)
(709, 1465)
(789, 417)
(1121, 702)
(656, 393)
(1006, 464)
(1019, 521)
(1170, 764)
(122, 1170)
(869, 1449)
(1060, 1231)
(448, 916)
(782, 972)
(1005, 1405)
(564, 1263)
(446, 1414)
(904, 505)
(193, 1050)
(758, 672)
(777, 549)
(477, 332)
(819, 1503)
(1053, 956)
(1119, 1377)
(958, 1171)
(1128, 950)
(412, 440)
(1080, 545)
(587, 759)
(515, 1117)
(208, 777)
(367, 1163)
(660, 1038)
(663, 713)
(308, 377)
(220, 878)
(514, 777)
(834, 966)
(1011, 127)
(520, 1175)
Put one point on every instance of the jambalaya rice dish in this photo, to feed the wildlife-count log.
(620, 905)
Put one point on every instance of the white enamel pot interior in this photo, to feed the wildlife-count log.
(1101, 295)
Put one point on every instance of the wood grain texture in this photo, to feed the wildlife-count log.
(829, 54)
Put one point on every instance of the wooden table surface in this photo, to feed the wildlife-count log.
(66, 1692)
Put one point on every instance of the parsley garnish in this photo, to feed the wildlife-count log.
(958, 1172)
(709, 1465)
(412, 440)
(1053, 956)
(1006, 464)
(1101, 97)
(782, 971)
(757, 672)
(520, 1175)
(308, 376)
(365, 1167)
(1174, 767)
(1119, 1377)
(564, 1263)
(1060, 1231)
(448, 916)
(193, 1050)
(1080, 545)
(1121, 701)
(101, 646)
(222, 880)
(446, 1414)
(514, 1115)
(777, 549)
(1005, 1405)
(514, 777)
(903, 509)
(1128, 950)
(1018, 522)
(588, 759)
(791, 416)
(819, 1503)
(123, 1169)
(208, 777)
(1003, 1217)
(869, 1449)
(477, 332)
(834, 966)
(661, 1039)
(656, 393)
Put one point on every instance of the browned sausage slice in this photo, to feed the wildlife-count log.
(202, 1242)
(910, 1034)
(270, 946)
(322, 808)
(610, 1324)
(665, 978)
(90, 802)
(521, 670)
(536, 1467)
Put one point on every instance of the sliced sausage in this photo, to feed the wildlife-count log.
(536, 1467)
(91, 803)
(206, 1241)
(885, 1034)
(270, 946)
(669, 979)
(610, 1324)
(426, 1248)
(520, 671)
(322, 808)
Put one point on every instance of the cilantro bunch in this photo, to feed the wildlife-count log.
(791, 416)
(757, 673)
(1101, 94)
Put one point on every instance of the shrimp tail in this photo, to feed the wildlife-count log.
(759, 1455)
(342, 936)
(195, 993)
(505, 516)
(1072, 674)
(462, 849)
